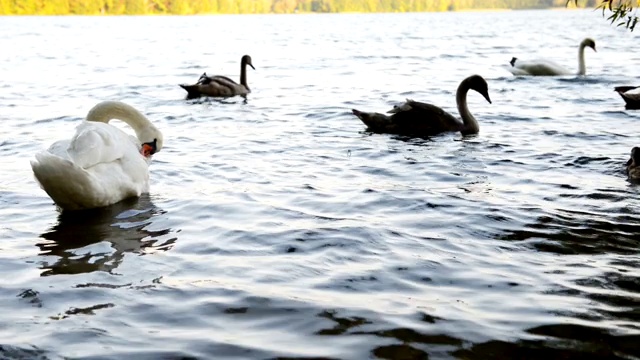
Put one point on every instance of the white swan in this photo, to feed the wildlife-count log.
(101, 165)
(549, 68)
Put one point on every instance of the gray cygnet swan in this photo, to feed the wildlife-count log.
(630, 95)
(420, 119)
(221, 86)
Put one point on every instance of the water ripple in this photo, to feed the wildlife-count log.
(277, 227)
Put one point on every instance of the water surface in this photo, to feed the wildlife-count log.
(277, 227)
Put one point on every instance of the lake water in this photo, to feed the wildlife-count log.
(277, 227)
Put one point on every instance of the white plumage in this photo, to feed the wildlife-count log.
(549, 68)
(101, 164)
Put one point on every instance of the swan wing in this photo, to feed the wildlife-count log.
(206, 79)
(635, 97)
(517, 71)
(628, 90)
(224, 80)
(630, 95)
(624, 89)
(231, 87)
(217, 86)
(73, 188)
(422, 118)
(68, 185)
(538, 68)
(95, 143)
(99, 166)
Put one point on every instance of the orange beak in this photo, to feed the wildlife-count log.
(147, 150)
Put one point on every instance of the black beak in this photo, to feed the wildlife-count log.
(251, 66)
(486, 96)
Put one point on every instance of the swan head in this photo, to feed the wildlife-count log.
(149, 136)
(635, 157)
(588, 42)
(477, 83)
(151, 139)
(246, 60)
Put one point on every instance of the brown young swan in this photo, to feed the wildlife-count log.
(221, 86)
(633, 165)
(630, 95)
(419, 119)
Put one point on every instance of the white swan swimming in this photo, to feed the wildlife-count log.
(549, 68)
(101, 164)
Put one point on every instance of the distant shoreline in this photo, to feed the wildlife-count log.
(299, 12)
(195, 8)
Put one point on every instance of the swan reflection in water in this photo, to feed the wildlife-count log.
(123, 227)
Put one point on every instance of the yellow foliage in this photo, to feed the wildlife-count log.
(183, 7)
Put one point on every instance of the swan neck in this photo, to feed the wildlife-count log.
(470, 124)
(243, 74)
(582, 68)
(109, 110)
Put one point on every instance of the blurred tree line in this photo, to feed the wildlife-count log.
(184, 7)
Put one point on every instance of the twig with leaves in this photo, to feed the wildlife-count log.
(623, 12)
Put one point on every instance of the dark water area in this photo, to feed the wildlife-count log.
(277, 227)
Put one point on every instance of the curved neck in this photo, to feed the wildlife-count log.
(582, 68)
(470, 124)
(243, 74)
(108, 110)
